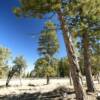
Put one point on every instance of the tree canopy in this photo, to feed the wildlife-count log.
(48, 41)
(4, 57)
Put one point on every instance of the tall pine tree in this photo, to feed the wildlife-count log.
(86, 18)
(48, 46)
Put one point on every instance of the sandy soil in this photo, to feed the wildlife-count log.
(39, 85)
(35, 85)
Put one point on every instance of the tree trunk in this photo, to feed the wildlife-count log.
(20, 78)
(75, 71)
(7, 82)
(10, 75)
(48, 79)
(70, 77)
(98, 77)
(87, 64)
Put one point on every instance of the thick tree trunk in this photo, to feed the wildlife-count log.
(75, 71)
(87, 64)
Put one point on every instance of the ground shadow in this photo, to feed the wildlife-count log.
(57, 94)
(2, 86)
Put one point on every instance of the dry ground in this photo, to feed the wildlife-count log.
(32, 86)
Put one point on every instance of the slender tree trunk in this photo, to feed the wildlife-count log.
(7, 82)
(75, 71)
(70, 77)
(48, 79)
(10, 75)
(81, 79)
(87, 64)
(20, 78)
(98, 77)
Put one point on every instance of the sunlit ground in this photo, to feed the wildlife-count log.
(39, 85)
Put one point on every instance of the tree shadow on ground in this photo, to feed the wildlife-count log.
(2, 86)
(57, 94)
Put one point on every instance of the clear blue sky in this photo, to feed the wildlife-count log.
(20, 35)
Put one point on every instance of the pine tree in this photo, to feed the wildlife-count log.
(86, 18)
(4, 57)
(48, 46)
(18, 67)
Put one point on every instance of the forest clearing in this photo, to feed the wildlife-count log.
(29, 87)
(50, 50)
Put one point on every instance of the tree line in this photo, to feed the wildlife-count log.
(15, 68)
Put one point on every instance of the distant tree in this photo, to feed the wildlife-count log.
(64, 68)
(42, 69)
(18, 67)
(95, 64)
(5, 54)
(48, 42)
(32, 73)
(28, 75)
(55, 65)
(4, 71)
(95, 55)
(48, 45)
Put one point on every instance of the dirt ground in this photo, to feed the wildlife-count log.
(27, 89)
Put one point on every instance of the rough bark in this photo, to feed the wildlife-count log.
(75, 71)
(87, 64)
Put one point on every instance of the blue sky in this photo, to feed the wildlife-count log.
(20, 35)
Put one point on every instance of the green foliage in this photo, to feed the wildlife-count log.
(85, 13)
(48, 46)
(39, 67)
(28, 75)
(95, 64)
(49, 71)
(19, 64)
(4, 56)
(48, 42)
(42, 68)
(86, 8)
(4, 71)
(94, 39)
(36, 8)
(94, 53)
(58, 68)
(63, 67)
(84, 17)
